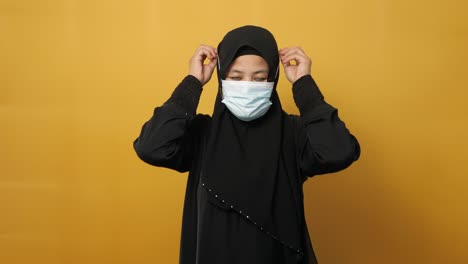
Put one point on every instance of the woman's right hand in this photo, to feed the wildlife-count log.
(200, 70)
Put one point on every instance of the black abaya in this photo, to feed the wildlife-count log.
(213, 233)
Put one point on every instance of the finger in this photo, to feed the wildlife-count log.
(211, 64)
(283, 51)
(211, 57)
(294, 57)
(210, 61)
(301, 51)
(202, 50)
(293, 50)
(210, 53)
(286, 50)
(203, 54)
(211, 49)
(290, 51)
(303, 58)
(208, 46)
(289, 62)
(288, 65)
(287, 55)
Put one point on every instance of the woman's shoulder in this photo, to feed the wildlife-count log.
(291, 119)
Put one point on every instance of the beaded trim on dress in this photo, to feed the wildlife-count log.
(238, 210)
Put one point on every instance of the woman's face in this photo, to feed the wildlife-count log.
(248, 68)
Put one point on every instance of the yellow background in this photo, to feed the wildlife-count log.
(79, 78)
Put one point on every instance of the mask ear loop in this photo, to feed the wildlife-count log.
(277, 70)
(219, 71)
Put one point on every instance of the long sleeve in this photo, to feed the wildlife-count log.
(170, 137)
(324, 143)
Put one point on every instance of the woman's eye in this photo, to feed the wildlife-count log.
(260, 79)
(235, 78)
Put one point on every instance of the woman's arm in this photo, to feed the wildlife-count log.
(324, 143)
(170, 137)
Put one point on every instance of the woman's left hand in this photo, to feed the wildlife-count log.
(302, 64)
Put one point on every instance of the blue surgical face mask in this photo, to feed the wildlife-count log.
(247, 100)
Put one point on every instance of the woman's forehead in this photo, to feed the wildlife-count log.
(249, 63)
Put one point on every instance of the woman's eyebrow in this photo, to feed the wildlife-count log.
(239, 71)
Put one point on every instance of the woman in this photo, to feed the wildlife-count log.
(248, 161)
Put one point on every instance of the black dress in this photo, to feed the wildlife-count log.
(212, 232)
(224, 236)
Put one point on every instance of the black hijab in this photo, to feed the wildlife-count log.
(244, 164)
